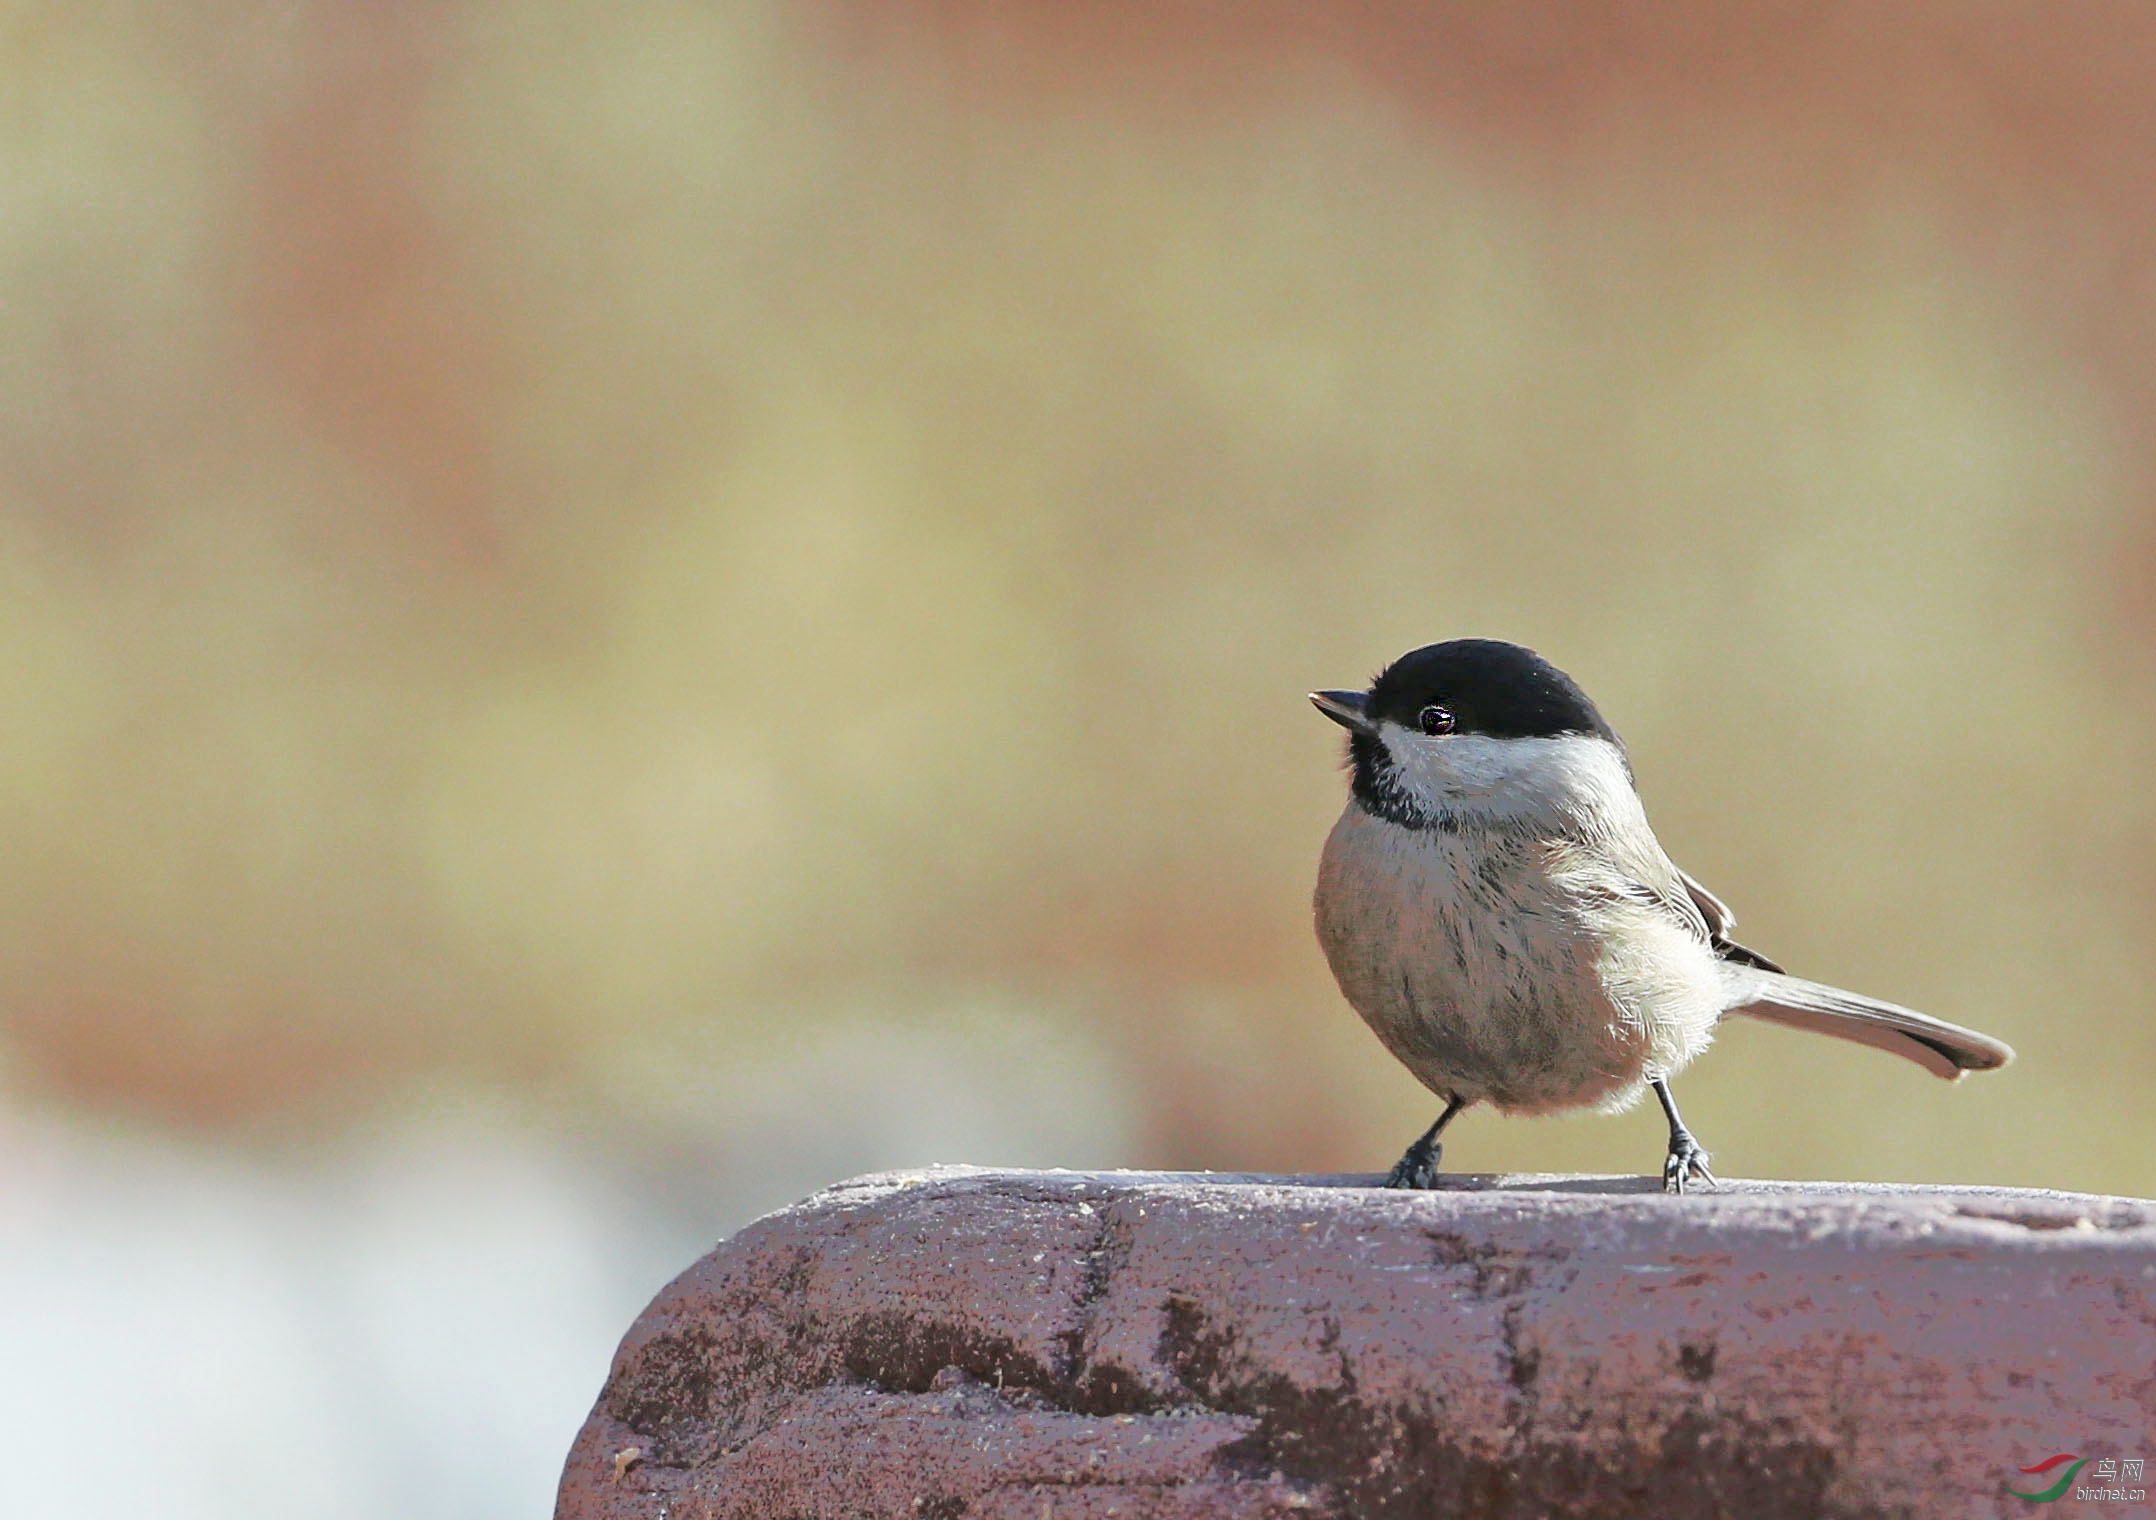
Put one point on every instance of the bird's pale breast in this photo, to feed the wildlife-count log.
(1500, 965)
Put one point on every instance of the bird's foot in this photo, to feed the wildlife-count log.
(1687, 1162)
(1418, 1168)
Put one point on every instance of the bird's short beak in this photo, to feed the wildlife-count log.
(1344, 708)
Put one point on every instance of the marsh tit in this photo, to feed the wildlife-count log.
(1495, 906)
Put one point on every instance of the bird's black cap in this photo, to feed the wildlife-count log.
(1490, 687)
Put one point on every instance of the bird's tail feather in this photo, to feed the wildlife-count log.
(1945, 1050)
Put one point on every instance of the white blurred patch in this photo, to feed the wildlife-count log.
(987, 1083)
(413, 1324)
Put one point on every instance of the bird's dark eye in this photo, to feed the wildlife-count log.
(1435, 720)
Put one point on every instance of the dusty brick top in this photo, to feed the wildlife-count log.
(960, 1342)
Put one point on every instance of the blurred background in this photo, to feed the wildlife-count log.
(610, 614)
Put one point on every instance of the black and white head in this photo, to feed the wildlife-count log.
(1477, 729)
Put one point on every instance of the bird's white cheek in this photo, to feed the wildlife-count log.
(1425, 770)
(1452, 769)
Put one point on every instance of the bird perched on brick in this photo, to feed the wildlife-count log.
(1496, 907)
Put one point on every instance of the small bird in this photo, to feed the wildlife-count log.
(1495, 906)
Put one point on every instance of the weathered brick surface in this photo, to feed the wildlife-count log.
(1022, 1344)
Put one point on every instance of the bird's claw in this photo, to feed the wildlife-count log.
(1687, 1160)
(1417, 1170)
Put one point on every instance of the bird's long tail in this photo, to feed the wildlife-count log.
(1943, 1049)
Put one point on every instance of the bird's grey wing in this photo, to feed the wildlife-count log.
(1717, 913)
(1720, 920)
(1634, 870)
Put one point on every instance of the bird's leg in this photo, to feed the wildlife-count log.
(1418, 1168)
(1687, 1157)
